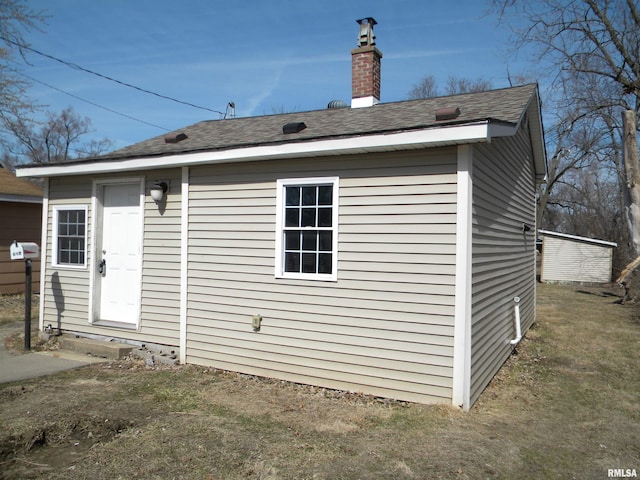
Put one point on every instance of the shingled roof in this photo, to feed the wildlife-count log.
(506, 105)
(17, 190)
(331, 131)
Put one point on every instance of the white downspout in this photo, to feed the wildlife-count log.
(516, 340)
(184, 263)
(43, 251)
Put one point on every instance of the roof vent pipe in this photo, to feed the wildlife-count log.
(230, 112)
(516, 321)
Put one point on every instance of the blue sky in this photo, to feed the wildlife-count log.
(265, 56)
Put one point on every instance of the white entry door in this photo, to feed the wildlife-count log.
(119, 255)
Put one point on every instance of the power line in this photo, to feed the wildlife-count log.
(83, 69)
(91, 103)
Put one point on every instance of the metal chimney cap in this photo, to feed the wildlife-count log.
(367, 20)
(366, 37)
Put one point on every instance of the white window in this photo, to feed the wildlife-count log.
(307, 228)
(70, 236)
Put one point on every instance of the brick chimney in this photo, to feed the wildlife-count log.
(365, 67)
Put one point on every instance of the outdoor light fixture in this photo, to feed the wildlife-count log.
(158, 190)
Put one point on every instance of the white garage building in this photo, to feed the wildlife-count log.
(572, 259)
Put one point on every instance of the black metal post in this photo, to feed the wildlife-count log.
(27, 305)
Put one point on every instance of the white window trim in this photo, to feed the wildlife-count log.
(54, 244)
(280, 207)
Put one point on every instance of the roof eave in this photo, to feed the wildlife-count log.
(407, 140)
(20, 198)
(536, 130)
(577, 238)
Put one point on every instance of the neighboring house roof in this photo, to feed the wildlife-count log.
(383, 127)
(14, 189)
(577, 238)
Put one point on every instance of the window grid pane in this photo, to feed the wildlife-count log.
(71, 237)
(308, 229)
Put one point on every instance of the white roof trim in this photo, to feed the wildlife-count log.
(577, 238)
(441, 136)
(537, 134)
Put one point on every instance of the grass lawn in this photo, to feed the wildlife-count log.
(567, 406)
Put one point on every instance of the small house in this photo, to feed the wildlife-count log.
(383, 248)
(573, 259)
(21, 219)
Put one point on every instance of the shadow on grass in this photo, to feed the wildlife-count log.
(601, 293)
(633, 303)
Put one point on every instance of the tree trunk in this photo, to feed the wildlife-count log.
(631, 168)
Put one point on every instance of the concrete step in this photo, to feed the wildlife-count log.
(97, 348)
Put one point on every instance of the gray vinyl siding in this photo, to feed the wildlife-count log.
(160, 294)
(66, 292)
(385, 327)
(572, 261)
(160, 300)
(503, 264)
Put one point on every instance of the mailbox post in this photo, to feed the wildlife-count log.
(26, 251)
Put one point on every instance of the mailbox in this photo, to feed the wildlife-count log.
(24, 250)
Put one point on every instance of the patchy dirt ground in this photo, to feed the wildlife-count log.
(12, 314)
(566, 406)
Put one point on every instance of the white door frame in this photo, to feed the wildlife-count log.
(95, 256)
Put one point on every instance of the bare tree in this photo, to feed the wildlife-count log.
(22, 138)
(632, 207)
(457, 85)
(427, 87)
(16, 18)
(586, 204)
(592, 46)
(56, 140)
